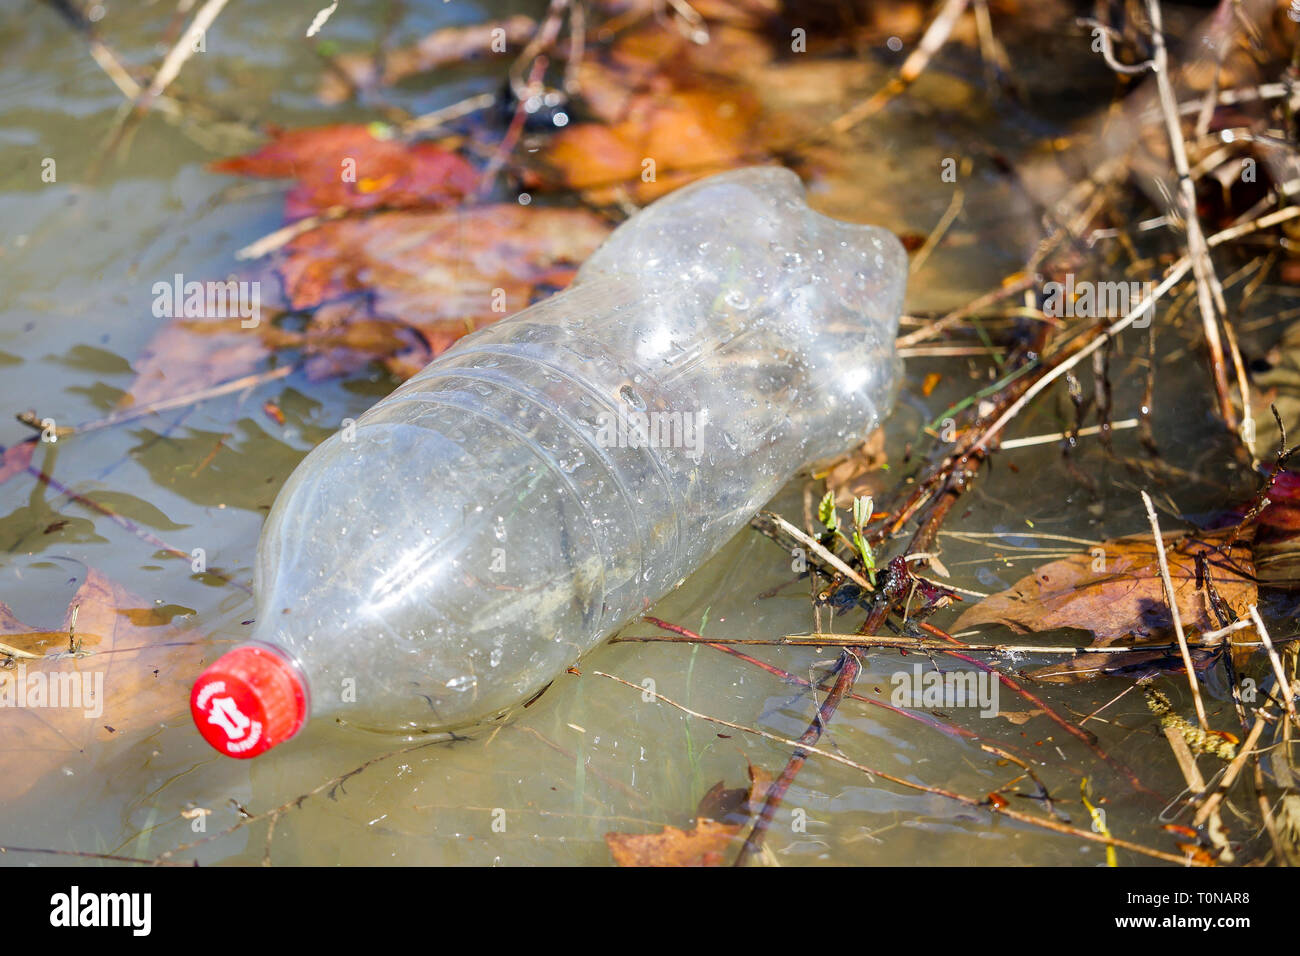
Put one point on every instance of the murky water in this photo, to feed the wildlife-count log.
(78, 259)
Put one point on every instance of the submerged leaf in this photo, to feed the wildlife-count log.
(703, 845)
(719, 818)
(131, 675)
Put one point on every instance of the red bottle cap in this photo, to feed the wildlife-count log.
(248, 701)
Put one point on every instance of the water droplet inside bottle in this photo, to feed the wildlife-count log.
(629, 395)
(737, 300)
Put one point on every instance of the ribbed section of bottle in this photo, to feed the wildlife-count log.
(616, 495)
(555, 473)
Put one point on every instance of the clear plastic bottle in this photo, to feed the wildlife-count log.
(548, 478)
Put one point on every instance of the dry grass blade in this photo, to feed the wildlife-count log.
(1172, 600)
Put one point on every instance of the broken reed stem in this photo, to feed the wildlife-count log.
(933, 723)
(1172, 600)
(1061, 436)
(1174, 275)
(1230, 775)
(286, 234)
(513, 131)
(849, 668)
(1026, 818)
(940, 230)
(1087, 737)
(87, 855)
(184, 48)
(690, 636)
(189, 398)
(542, 40)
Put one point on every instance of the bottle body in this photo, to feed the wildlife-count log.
(552, 475)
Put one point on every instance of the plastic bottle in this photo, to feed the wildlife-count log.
(552, 475)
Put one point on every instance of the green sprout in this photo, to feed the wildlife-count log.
(826, 513)
(862, 509)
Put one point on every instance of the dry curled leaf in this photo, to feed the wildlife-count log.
(1115, 592)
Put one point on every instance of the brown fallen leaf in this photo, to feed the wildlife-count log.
(703, 845)
(136, 668)
(857, 473)
(657, 57)
(356, 168)
(663, 109)
(685, 134)
(1115, 592)
(706, 843)
(443, 273)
